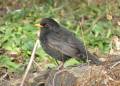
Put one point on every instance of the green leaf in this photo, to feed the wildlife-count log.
(6, 61)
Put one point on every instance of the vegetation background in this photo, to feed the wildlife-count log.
(95, 22)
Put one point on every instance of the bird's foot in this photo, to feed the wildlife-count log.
(61, 66)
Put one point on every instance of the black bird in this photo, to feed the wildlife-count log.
(62, 44)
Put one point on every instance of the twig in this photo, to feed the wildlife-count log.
(2, 77)
(81, 23)
(58, 72)
(30, 62)
(115, 65)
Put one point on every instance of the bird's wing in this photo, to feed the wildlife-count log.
(62, 44)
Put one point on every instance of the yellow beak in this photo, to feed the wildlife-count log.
(38, 25)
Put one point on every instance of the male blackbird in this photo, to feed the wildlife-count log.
(62, 44)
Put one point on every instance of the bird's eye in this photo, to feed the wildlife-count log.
(45, 25)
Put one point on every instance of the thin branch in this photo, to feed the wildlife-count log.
(30, 62)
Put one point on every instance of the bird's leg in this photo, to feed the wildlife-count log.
(56, 62)
(61, 66)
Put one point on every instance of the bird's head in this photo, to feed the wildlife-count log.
(48, 23)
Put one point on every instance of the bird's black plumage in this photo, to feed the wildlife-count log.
(62, 44)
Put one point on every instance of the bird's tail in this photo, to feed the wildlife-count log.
(92, 59)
